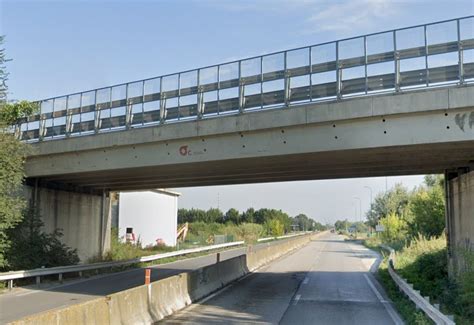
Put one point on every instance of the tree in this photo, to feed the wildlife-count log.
(214, 215)
(274, 227)
(341, 225)
(12, 157)
(233, 216)
(427, 207)
(395, 228)
(249, 215)
(394, 201)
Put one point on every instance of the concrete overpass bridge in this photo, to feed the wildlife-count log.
(392, 103)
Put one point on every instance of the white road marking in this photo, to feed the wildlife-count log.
(297, 298)
(306, 280)
(388, 307)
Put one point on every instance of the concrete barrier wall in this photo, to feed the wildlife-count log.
(149, 303)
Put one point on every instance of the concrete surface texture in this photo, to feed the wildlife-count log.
(461, 219)
(424, 131)
(84, 219)
(326, 282)
(35, 300)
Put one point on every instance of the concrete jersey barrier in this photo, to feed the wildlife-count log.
(147, 304)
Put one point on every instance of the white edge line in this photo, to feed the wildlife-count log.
(297, 298)
(388, 307)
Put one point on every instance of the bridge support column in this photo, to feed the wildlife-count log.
(84, 218)
(459, 187)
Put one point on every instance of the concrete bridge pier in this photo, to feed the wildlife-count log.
(459, 187)
(84, 217)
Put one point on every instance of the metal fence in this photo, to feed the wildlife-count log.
(440, 53)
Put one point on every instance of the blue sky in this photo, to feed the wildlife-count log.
(60, 47)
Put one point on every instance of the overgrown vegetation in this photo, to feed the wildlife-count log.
(32, 248)
(23, 244)
(274, 222)
(414, 226)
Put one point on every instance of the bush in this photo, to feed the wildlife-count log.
(32, 248)
(394, 228)
(424, 262)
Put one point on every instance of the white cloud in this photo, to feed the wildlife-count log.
(349, 15)
(322, 15)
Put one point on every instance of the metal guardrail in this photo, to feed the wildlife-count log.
(60, 270)
(283, 237)
(421, 302)
(439, 53)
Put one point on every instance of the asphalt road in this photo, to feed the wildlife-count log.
(326, 282)
(27, 301)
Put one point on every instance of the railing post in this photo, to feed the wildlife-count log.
(427, 71)
(241, 90)
(68, 124)
(365, 65)
(128, 115)
(162, 103)
(287, 89)
(60, 278)
(162, 109)
(460, 54)
(42, 127)
(286, 94)
(200, 104)
(200, 97)
(97, 115)
(10, 285)
(241, 96)
(38, 280)
(310, 75)
(396, 60)
(338, 73)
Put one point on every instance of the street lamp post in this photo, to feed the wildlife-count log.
(370, 188)
(360, 207)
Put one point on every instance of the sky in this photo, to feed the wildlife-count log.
(60, 47)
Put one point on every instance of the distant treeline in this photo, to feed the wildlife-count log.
(273, 217)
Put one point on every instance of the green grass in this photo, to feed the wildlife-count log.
(423, 263)
(405, 307)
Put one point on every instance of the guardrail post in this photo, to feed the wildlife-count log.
(241, 90)
(162, 109)
(60, 278)
(97, 115)
(338, 73)
(218, 257)
(200, 96)
(68, 124)
(42, 128)
(241, 96)
(128, 115)
(287, 94)
(460, 54)
(38, 280)
(10, 285)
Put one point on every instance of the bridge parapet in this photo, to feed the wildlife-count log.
(436, 54)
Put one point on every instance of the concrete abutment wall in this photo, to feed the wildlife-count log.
(84, 219)
(460, 220)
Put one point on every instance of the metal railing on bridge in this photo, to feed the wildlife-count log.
(435, 54)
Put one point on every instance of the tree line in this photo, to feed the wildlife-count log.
(406, 214)
(271, 217)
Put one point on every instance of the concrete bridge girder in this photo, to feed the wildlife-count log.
(371, 126)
